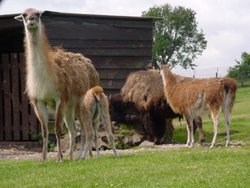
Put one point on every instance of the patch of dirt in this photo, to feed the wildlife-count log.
(33, 151)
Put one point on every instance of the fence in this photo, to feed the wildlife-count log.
(17, 119)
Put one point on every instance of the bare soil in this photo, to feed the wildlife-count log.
(32, 151)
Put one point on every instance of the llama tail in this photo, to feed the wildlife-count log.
(230, 87)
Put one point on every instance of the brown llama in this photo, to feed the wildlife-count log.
(198, 97)
(55, 79)
(94, 111)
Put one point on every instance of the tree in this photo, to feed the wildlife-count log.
(176, 39)
(241, 71)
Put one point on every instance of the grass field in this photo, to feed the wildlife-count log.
(197, 167)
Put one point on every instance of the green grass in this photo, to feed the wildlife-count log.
(197, 167)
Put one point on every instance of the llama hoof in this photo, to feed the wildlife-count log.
(43, 160)
(191, 146)
(211, 146)
(60, 159)
(80, 158)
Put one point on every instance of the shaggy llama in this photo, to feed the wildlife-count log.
(55, 79)
(200, 96)
(94, 111)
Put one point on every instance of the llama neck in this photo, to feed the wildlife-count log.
(37, 48)
(40, 74)
(168, 79)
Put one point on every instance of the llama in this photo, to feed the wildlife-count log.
(198, 97)
(145, 90)
(55, 79)
(94, 111)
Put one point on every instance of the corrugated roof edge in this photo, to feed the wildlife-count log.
(47, 13)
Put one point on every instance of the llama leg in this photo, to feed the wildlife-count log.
(95, 128)
(192, 133)
(170, 129)
(227, 125)
(188, 136)
(69, 121)
(42, 115)
(87, 127)
(110, 138)
(198, 122)
(58, 128)
(190, 140)
(105, 119)
(88, 142)
(111, 141)
(216, 122)
(83, 140)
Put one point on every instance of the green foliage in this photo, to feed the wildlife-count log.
(176, 37)
(241, 71)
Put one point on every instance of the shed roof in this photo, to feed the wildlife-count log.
(64, 14)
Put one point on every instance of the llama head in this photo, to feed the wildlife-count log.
(165, 70)
(30, 18)
(97, 92)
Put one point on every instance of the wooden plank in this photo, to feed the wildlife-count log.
(120, 62)
(112, 83)
(93, 43)
(7, 98)
(115, 73)
(1, 100)
(114, 52)
(125, 22)
(97, 32)
(15, 97)
(24, 102)
(111, 91)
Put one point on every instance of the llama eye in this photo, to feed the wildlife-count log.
(24, 15)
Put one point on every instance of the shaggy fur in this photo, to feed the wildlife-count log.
(55, 79)
(122, 112)
(94, 111)
(198, 97)
(145, 90)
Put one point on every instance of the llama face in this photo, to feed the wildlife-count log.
(30, 18)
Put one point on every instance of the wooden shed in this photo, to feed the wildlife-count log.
(117, 45)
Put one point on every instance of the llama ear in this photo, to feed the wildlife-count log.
(19, 18)
(40, 13)
(159, 64)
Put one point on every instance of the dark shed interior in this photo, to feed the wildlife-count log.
(117, 45)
